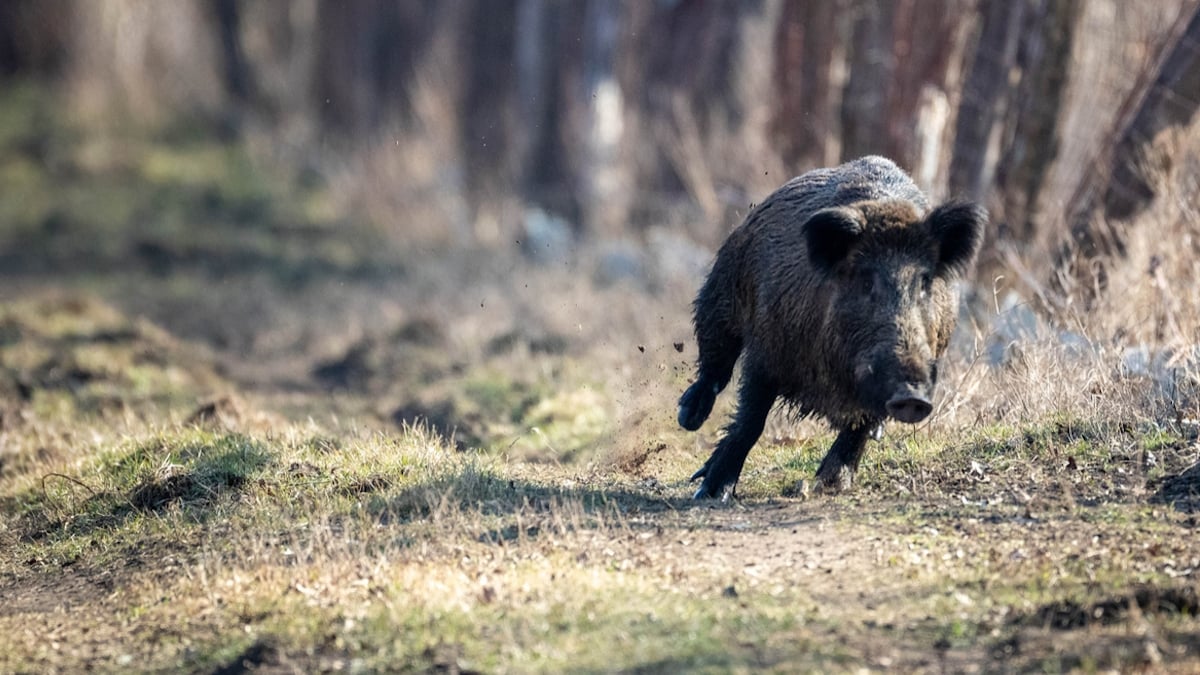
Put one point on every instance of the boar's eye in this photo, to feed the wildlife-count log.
(926, 284)
(866, 283)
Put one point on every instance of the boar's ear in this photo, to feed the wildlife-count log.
(957, 226)
(830, 233)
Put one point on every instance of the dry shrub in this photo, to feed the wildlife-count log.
(406, 181)
(1128, 350)
(1039, 379)
(1151, 294)
(724, 168)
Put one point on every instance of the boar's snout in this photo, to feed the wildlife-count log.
(909, 405)
(900, 388)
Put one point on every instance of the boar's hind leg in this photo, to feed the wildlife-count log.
(838, 467)
(721, 471)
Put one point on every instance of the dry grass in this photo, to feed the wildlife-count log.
(356, 550)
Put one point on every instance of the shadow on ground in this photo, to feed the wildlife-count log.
(1181, 491)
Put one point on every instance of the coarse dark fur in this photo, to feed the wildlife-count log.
(839, 293)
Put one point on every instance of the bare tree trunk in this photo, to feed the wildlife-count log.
(34, 35)
(985, 94)
(1122, 185)
(601, 180)
(920, 63)
(344, 93)
(489, 125)
(1171, 101)
(896, 95)
(543, 53)
(1044, 59)
(805, 44)
(556, 64)
(695, 69)
(367, 51)
(871, 62)
(699, 58)
(237, 77)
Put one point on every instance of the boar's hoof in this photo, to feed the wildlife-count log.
(696, 404)
(710, 488)
(834, 479)
(724, 494)
(909, 409)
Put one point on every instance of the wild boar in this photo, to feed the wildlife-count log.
(839, 293)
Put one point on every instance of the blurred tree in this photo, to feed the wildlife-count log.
(806, 47)
(489, 127)
(237, 75)
(679, 59)
(550, 55)
(984, 95)
(893, 75)
(928, 41)
(870, 61)
(1122, 183)
(1008, 128)
(1169, 99)
(33, 36)
(1031, 135)
(614, 113)
(367, 54)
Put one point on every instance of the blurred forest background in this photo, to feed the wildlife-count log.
(643, 130)
(348, 335)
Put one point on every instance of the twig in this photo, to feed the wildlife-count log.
(54, 502)
(66, 477)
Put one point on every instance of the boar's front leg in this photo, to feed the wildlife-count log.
(719, 351)
(841, 462)
(756, 395)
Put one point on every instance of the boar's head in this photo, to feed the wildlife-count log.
(891, 276)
